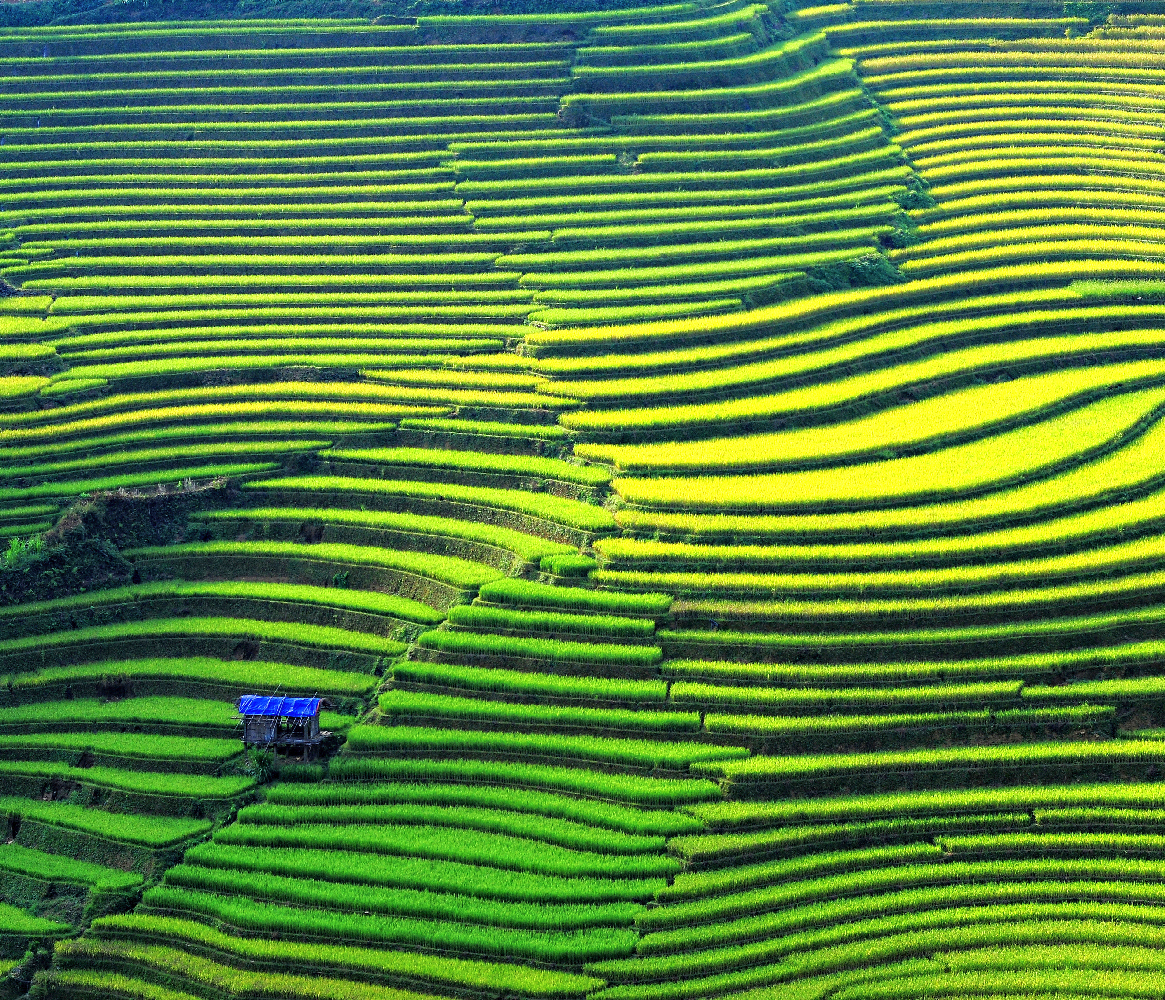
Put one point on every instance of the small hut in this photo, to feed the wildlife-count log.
(288, 724)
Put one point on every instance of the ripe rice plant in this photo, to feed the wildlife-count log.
(1102, 561)
(845, 395)
(174, 343)
(1127, 471)
(916, 425)
(617, 207)
(727, 849)
(235, 430)
(575, 260)
(801, 312)
(993, 917)
(1096, 526)
(776, 341)
(1087, 845)
(879, 384)
(920, 478)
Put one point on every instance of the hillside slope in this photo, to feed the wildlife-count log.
(710, 460)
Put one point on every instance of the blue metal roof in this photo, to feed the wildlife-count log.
(292, 708)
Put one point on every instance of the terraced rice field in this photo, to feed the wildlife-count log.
(709, 459)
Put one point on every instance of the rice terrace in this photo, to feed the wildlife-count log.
(582, 500)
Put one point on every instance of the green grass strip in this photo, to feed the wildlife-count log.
(250, 916)
(169, 367)
(151, 711)
(254, 402)
(112, 984)
(477, 644)
(529, 547)
(797, 732)
(595, 814)
(265, 429)
(14, 921)
(131, 746)
(73, 487)
(550, 432)
(530, 594)
(408, 903)
(953, 801)
(406, 706)
(547, 829)
(489, 619)
(625, 788)
(54, 867)
(351, 600)
(72, 385)
(242, 674)
(492, 849)
(141, 782)
(544, 505)
(527, 465)
(423, 874)
(152, 831)
(438, 970)
(807, 905)
(518, 682)
(416, 741)
(447, 569)
(160, 628)
(1032, 755)
(804, 699)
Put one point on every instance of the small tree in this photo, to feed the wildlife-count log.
(259, 764)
